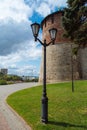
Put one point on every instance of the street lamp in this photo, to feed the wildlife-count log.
(35, 29)
(72, 69)
(73, 57)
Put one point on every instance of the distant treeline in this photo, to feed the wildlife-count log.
(11, 79)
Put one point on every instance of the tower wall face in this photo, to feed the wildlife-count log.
(83, 62)
(59, 65)
(58, 58)
(54, 21)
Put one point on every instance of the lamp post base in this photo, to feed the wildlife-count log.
(44, 110)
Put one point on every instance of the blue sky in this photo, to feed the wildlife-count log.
(18, 51)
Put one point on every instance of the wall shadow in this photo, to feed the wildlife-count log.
(64, 124)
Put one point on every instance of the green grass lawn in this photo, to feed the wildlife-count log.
(67, 110)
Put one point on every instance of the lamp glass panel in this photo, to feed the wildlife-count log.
(53, 33)
(35, 29)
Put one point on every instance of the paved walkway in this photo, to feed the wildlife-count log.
(9, 120)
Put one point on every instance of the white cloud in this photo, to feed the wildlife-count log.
(16, 41)
(15, 62)
(13, 35)
(27, 51)
(56, 3)
(15, 9)
(27, 70)
(14, 25)
(43, 9)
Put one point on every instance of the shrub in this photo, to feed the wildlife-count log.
(3, 82)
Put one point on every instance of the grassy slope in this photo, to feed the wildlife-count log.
(67, 110)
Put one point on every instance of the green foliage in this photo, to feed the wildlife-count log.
(67, 110)
(10, 82)
(31, 80)
(75, 21)
(3, 82)
(13, 78)
(9, 79)
(36, 79)
(1, 75)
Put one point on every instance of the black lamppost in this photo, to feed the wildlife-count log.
(73, 57)
(72, 69)
(35, 29)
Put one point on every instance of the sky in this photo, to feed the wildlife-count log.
(18, 51)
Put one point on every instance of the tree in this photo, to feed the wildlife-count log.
(75, 21)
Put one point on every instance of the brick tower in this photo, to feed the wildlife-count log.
(58, 55)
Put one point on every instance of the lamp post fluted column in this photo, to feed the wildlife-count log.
(44, 95)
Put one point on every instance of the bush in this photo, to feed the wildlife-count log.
(10, 82)
(3, 82)
(31, 80)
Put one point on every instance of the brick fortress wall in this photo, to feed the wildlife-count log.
(59, 66)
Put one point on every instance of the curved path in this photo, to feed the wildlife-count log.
(9, 120)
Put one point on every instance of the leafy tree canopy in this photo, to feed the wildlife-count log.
(75, 21)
